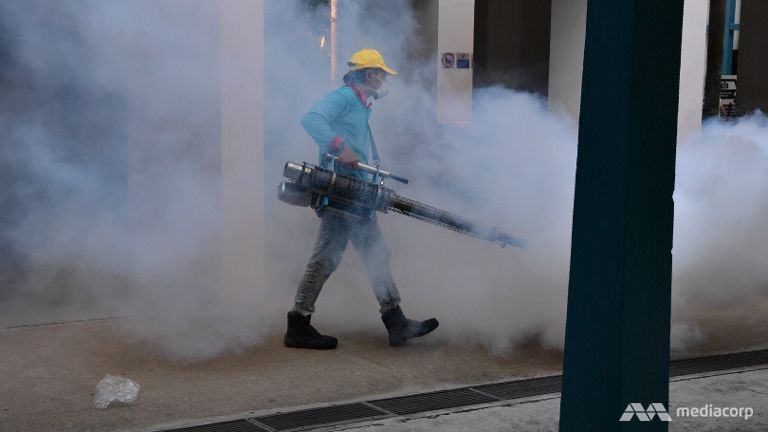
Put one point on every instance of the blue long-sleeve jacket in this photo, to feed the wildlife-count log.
(341, 113)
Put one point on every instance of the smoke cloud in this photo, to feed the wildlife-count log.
(111, 171)
(720, 243)
(110, 138)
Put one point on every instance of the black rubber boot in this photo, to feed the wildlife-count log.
(401, 328)
(301, 334)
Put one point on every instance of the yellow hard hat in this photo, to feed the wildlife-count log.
(369, 58)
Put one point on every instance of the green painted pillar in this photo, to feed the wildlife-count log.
(617, 330)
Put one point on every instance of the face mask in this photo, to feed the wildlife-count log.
(380, 91)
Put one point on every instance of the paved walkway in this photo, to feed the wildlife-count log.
(50, 373)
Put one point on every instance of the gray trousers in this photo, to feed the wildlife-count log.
(335, 231)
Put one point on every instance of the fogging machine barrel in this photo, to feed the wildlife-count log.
(305, 180)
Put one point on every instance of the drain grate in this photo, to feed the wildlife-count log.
(320, 416)
(523, 388)
(433, 401)
(232, 426)
(718, 363)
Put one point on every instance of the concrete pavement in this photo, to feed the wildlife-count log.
(50, 374)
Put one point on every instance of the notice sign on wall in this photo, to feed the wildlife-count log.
(728, 96)
(448, 59)
(451, 60)
(463, 61)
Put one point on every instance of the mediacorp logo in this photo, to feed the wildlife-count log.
(636, 409)
(657, 409)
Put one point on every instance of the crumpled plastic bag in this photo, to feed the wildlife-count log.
(114, 388)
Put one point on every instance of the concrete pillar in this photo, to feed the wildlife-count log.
(693, 67)
(566, 51)
(455, 39)
(242, 146)
(752, 85)
(619, 294)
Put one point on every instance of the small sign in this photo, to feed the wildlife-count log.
(448, 59)
(728, 96)
(463, 61)
(728, 87)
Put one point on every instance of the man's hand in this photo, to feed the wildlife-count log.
(347, 158)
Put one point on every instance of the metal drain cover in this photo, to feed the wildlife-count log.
(433, 401)
(523, 388)
(718, 362)
(232, 426)
(320, 416)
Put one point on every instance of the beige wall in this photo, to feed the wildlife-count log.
(566, 55)
(455, 33)
(693, 67)
(242, 146)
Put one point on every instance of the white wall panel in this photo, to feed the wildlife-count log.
(455, 34)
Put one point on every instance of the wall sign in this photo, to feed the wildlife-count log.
(463, 61)
(448, 59)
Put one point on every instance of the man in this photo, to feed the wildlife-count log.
(339, 125)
